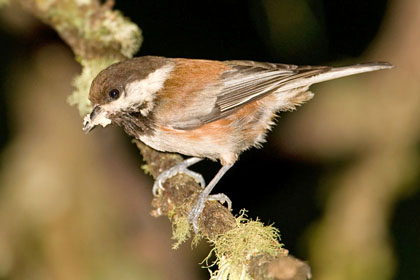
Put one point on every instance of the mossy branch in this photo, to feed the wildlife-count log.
(100, 36)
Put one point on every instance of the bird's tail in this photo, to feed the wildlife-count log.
(335, 73)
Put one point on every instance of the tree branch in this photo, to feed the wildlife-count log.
(100, 36)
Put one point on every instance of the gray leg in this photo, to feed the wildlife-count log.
(205, 195)
(181, 167)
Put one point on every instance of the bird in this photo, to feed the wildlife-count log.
(203, 108)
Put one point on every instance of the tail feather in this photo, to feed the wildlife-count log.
(335, 73)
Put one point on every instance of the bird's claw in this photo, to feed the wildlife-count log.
(177, 169)
(199, 206)
(182, 167)
(222, 198)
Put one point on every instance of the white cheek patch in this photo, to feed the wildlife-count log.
(142, 91)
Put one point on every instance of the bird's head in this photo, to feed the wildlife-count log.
(126, 90)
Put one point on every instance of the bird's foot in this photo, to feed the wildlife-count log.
(181, 167)
(199, 206)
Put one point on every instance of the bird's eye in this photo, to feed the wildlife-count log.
(114, 93)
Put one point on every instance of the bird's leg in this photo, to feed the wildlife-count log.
(205, 195)
(181, 167)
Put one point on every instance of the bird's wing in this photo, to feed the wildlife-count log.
(248, 81)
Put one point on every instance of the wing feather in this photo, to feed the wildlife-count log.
(248, 81)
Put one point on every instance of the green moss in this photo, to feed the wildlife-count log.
(64, 17)
(146, 169)
(236, 247)
(180, 230)
(117, 28)
(104, 30)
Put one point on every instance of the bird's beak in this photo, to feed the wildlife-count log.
(96, 117)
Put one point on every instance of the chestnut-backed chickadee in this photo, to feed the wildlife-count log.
(202, 108)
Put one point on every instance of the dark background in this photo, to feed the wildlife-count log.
(273, 185)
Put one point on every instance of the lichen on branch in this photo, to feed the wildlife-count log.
(235, 248)
(97, 34)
